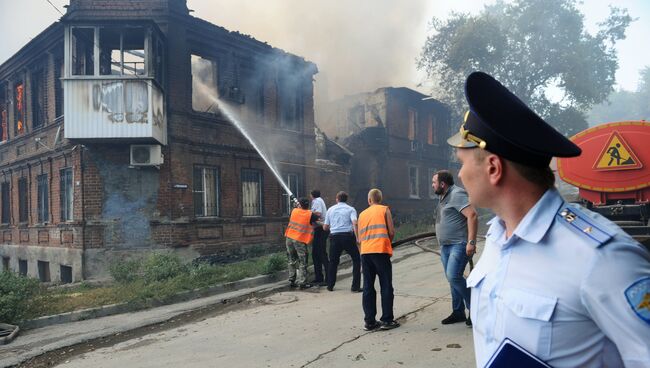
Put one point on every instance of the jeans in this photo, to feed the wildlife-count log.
(454, 259)
(377, 265)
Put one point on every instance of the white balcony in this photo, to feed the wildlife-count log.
(114, 109)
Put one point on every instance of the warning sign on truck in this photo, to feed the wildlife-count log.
(617, 155)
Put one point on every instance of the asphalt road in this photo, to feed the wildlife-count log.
(310, 328)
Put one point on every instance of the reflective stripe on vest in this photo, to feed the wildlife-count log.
(373, 231)
(299, 228)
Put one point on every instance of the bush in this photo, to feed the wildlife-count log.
(274, 264)
(16, 293)
(162, 266)
(125, 272)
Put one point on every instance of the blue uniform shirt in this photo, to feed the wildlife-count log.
(340, 217)
(569, 286)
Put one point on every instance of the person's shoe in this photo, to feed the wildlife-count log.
(322, 283)
(372, 326)
(304, 286)
(389, 325)
(330, 288)
(468, 322)
(454, 318)
(356, 290)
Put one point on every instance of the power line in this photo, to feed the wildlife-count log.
(55, 7)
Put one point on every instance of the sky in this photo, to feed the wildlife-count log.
(357, 45)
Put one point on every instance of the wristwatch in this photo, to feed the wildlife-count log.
(472, 242)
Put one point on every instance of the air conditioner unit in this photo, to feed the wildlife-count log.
(146, 155)
(415, 145)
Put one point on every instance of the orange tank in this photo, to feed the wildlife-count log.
(614, 165)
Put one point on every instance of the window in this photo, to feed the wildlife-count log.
(22, 267)
(44, 271)
(58, 88)
(431, 134)
(291, 104)
(121, 51)
(82, 48)
(432, 192)
(414, 190)
(3, 114)
(251, 192)
(206, 191)
(38, 99)
(5, 195)
(413, 120)
(204, 84)
(66, 194)
(23, 207)
(43, 199)
(19, 108)
(66, 274)
(5, 263)
(294, 183)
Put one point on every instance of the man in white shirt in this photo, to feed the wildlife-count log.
(341, 221)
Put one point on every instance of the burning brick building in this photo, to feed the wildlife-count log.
(398, 140)
(111, 146)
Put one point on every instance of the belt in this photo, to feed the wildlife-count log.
(345, 233)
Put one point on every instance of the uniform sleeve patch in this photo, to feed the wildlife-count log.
(638, 297)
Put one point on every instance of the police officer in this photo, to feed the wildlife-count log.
(562, 282)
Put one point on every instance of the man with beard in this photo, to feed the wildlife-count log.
(456, 225)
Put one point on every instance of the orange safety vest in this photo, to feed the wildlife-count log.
(373, 231)
(299, 227)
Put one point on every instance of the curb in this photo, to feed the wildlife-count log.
(12, 335)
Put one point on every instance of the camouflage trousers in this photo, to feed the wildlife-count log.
(297, 258)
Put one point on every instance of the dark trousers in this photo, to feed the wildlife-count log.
(339, 243)
(379, 265)
(319, 254)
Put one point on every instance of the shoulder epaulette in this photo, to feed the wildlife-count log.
(580, 223)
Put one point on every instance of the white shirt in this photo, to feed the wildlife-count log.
(559, 287)
(340, 217)
(318, 205)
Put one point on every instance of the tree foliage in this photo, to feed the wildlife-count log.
(539, 49)
(625, 105)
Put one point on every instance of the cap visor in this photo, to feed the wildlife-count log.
(457, 141)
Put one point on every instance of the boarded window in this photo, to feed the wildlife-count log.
(38, 99)
(3, 114)
(204, 85)
(43, 199)
(23, 206)
(82, 49)
(5, 195)
(19, 108)
(44, 271)
(251, 192)
(66, 194)
(431, 134)
(413, 120)
(414, 190)
(206, 185)
(66, 274)
(22, 267)
(295, 185)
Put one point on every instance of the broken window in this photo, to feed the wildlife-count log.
(431, 133)
(294, 183)
(44, 271)
(121, 51)
(251, 192)
(38, 99)
(204, 84)
(414, 190)
(291, 104)
(23, 206)
(5, 195)
(3, 114)
(43, 199)
(413, 120)
(66, 194)
(82, 46)
(206, 191)
(19, 108)
(357, 117)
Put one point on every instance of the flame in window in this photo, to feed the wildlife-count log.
(19, 108)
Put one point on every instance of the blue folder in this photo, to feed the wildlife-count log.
(510, 355)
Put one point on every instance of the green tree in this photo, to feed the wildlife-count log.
(539, 49)
(624, 105)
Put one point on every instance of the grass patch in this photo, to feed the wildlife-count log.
(407, 229)
(158, 277)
